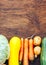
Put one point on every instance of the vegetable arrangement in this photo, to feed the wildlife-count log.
(20, 50)
(30, 49)
(37, 48)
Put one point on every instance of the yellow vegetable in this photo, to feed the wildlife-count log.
(37, 50)
(14, 51)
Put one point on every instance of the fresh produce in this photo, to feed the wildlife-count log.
(4, 49)
(37, 51)
(31, 50)
(25, 58)
(21, 51)
(43, 52)
(37, 40)
(14, 50)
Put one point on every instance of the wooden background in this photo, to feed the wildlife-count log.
(23, 18)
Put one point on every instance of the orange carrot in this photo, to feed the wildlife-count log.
(25, 58)
(21, 51)
(31, 50)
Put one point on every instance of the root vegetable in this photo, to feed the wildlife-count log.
(31, 50)
(37, 40)
(25, 58)
(37, 51)
(21, 51)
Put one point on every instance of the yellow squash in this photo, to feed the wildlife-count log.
(14, 51)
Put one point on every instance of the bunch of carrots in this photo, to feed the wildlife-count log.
(30, 49)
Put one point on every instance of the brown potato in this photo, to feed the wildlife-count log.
(37, 40)
(37, 50)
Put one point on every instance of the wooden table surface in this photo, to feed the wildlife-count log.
(22, 18)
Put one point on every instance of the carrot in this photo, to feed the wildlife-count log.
(25, 57)
(21, 51)
(31, 50)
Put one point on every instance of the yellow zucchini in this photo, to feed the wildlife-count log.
(14, 51)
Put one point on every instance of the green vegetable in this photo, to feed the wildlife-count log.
(4, 49)
(43, 52)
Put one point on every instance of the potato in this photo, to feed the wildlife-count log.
(37, 50)
(37, 40)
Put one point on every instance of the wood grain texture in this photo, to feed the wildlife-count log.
(23, 18)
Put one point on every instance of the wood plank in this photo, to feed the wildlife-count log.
(22, 17)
